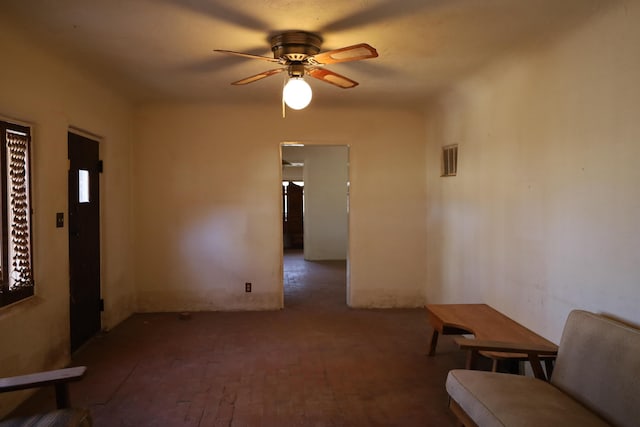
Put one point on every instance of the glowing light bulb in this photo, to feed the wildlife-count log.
(297, 93)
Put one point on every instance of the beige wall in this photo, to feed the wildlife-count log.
(543, 216)
(207, 190)
(52, 96)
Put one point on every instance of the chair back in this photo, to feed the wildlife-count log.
(599, 365)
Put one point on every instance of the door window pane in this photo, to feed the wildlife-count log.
(83, 186)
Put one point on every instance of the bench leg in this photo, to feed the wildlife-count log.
(62, 396)
(433, 343)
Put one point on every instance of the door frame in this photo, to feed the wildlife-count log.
(348, 233)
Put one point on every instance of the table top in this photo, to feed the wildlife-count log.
(485, 323)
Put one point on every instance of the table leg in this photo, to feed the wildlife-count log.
(537, 367)
(434, 342)
(472, 355)
(548, 364)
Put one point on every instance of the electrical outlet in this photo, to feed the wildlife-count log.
(247, 287)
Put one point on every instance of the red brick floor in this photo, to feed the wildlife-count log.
(315, 363)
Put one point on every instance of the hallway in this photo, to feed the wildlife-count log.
(310, 285)
(315, 363)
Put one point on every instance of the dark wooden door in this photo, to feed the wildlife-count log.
(84, 239)
(294, 221)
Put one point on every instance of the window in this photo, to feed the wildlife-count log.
(83, 186)
(450, 160)
(16, 275)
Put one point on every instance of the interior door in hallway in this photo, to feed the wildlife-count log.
(84, 239)
(294, 218)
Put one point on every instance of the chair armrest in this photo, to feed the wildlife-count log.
(58, 378)
(533, 351)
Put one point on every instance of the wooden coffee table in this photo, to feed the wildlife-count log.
(485, 323)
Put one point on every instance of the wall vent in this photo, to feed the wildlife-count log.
(450, 160)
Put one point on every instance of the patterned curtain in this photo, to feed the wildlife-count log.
(19, 218)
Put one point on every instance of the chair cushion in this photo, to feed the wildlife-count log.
(496, 399)
(58, 418)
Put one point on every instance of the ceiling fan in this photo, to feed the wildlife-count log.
(298, 52)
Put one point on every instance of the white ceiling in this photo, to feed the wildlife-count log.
(162, 50)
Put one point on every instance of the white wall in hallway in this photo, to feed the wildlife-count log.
(325, 193)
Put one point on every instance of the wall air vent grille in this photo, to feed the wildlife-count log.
(450, 160)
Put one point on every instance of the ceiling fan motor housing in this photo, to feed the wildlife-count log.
(295, 46)
(298, 53)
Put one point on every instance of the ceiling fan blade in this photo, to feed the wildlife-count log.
(247, 55)
(259, 76)
(333, 78)
(349, 53)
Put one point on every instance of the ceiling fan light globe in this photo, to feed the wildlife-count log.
(297, 93)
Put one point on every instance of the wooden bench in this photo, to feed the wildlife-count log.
(58, 378)
(64, 416)
(487, 324)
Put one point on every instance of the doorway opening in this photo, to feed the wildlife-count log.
(315, 218)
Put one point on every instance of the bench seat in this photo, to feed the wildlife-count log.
(491, 399)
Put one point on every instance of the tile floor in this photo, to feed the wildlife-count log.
(315, 363)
